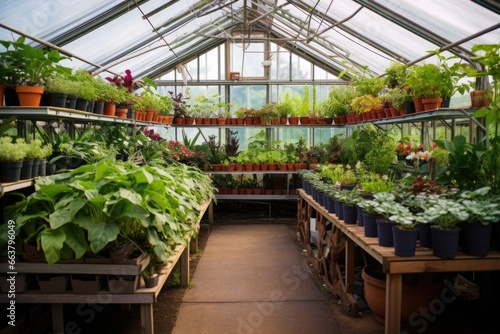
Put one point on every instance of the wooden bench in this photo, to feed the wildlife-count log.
(394, 266)
(146, 297)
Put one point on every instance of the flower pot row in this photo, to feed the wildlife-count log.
(248, 167)
(253, 191)
(252, 121)
(14, 171)
(471, 238)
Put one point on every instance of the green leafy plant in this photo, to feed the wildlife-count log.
(33, 66)
(444, 212)
(91, 207)
(12, 151)
(339, 100)
(395, 75)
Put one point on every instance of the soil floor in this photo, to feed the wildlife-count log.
(460, 316)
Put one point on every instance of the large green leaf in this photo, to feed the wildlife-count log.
(75, 238)
(26, 218)
(142, 176)
(65, 214)
(52, 242)
(101, 234)
(54, 190)
(83, 220)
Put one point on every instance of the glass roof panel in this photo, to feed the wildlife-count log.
(452, 19)
(188, 26)
(51, 18)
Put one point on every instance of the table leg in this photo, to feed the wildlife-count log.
(147, 319)
(57, 319)
(211, 212)
(394, 287)
(349, 268)
(185, 267)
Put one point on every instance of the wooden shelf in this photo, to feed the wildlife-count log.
(50, 113)
(258, 197)
(13, 186)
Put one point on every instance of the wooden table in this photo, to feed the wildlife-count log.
(146, 297)
(394, 266)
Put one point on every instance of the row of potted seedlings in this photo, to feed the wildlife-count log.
(416, 210)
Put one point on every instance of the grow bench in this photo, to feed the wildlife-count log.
(139, 294)
(347, 236)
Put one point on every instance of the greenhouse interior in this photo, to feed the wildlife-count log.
(250, 166)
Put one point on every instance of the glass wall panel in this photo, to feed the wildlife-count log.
(247, 59)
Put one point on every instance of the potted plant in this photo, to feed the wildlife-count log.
(483, 211)
(9, 76)
(60, 86)
(338, 102)
(489, 60)
(286, 110)
(11, 159)
(269, 113)
(401, 99)
(34, 67)
(149, 274)
(428, 82)
(445, 213)
(87, 91)
(395, 75)
(405, 232)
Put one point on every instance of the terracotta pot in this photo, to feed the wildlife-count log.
(179, 120)
(419, 107)
(432, 104)
(189, 120)
(240, 121)
(221, 121)
(479, 98)
(198, 120)
(109, 109)
(304, 120)
(293, 120)
(283, 120)
(149, 115)
(121, 112)
(168, 119)
(155, 116)
(29, 96)
(418, 291)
